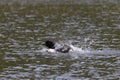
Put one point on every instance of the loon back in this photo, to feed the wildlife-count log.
(64, 49)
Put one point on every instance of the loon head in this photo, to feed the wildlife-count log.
(50, 44)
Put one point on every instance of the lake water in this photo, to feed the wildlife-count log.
(92, 28)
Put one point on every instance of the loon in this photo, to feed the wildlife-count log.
(52, 47)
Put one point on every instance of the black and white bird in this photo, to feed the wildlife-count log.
(53, 47)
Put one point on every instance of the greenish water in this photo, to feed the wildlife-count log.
(95, 28)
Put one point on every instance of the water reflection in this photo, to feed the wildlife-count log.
(94, 28)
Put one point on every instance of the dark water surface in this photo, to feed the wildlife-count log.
(94, 28)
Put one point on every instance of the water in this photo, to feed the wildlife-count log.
(92, 29)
